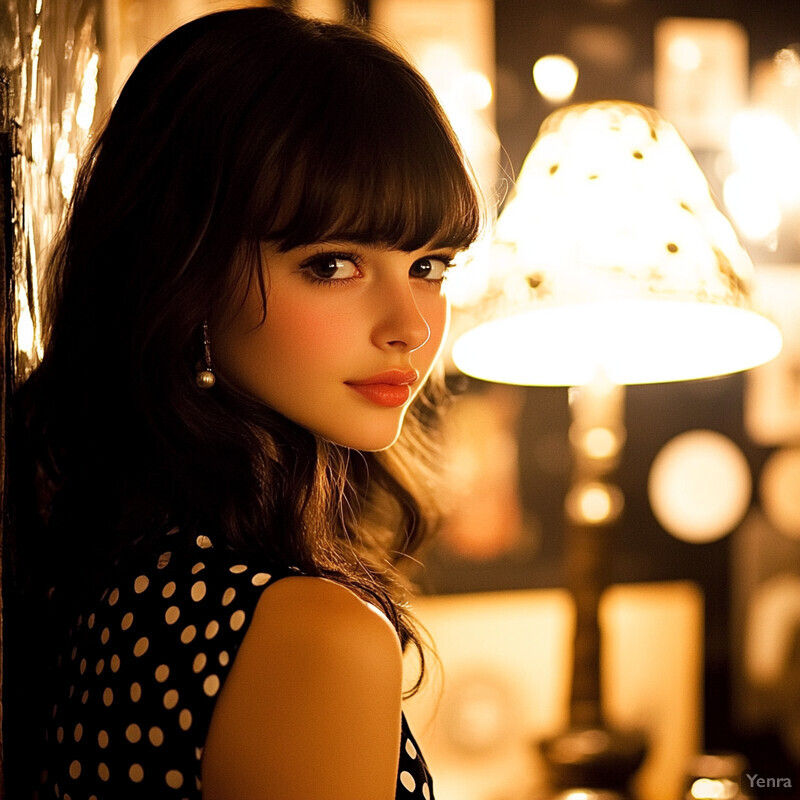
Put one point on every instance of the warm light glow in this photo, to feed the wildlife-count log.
(36, 44)
(752, 205)
(85, 112)
(481, 716)
(28, 341)
(699, 486)
(714, 789)
(787, 62)
(600, 443)
(780, 491)
(594, 502)
(555, 77)
(701, 76)
(69, 171)
(612, 255)
(685, 54)
(470, 279)
(765, 145)
(456, 86)
(442, 64)
(481, 475)
(453, 44)
(64, 154)
(766, 174)
(772, 614)
(643, 341)
(26, 337)
(475, 90)
(331, 10)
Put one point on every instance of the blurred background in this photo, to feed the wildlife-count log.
(701, 620)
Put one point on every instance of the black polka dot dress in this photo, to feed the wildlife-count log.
(139, 676)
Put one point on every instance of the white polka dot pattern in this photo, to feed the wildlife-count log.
(413, 779)
(141, 673)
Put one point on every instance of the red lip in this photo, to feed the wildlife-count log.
(392, 377)
(390, 389)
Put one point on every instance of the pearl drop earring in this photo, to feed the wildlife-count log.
(205, 377)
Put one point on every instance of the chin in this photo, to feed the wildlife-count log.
(366, 445)
(366, 441)
(378, 448)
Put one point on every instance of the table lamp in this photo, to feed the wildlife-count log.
(609, 265)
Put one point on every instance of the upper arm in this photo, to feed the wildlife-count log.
(311, 707)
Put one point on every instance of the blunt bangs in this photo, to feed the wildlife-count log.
(370, 158)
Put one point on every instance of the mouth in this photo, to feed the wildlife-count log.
(389, 389)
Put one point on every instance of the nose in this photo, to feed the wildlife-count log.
(401, 325)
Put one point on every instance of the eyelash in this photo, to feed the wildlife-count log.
(321, 258)
(355, 259)
(447, 261)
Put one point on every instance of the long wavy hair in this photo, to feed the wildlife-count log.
(239, 127)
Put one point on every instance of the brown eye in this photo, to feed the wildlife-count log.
(329, 267)
(432, 269)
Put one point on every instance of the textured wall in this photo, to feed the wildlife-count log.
(48, 70)
(49, 58)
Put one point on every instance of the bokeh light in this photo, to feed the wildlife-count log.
(779, 488)
(699, 486)
(555, 76)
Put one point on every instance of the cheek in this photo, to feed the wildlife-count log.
(437, 315)
(304, 331)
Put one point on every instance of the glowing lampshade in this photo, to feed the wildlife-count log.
(612, 257)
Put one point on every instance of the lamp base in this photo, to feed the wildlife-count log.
(595, 758)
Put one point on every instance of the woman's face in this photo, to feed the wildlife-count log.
(350, 335)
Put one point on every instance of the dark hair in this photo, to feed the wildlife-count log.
(239, 127)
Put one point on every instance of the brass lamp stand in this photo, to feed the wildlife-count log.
(590, 754)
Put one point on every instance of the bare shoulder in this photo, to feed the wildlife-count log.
(311, 707)
(304, 606)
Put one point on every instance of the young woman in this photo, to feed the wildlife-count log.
(227, 433)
